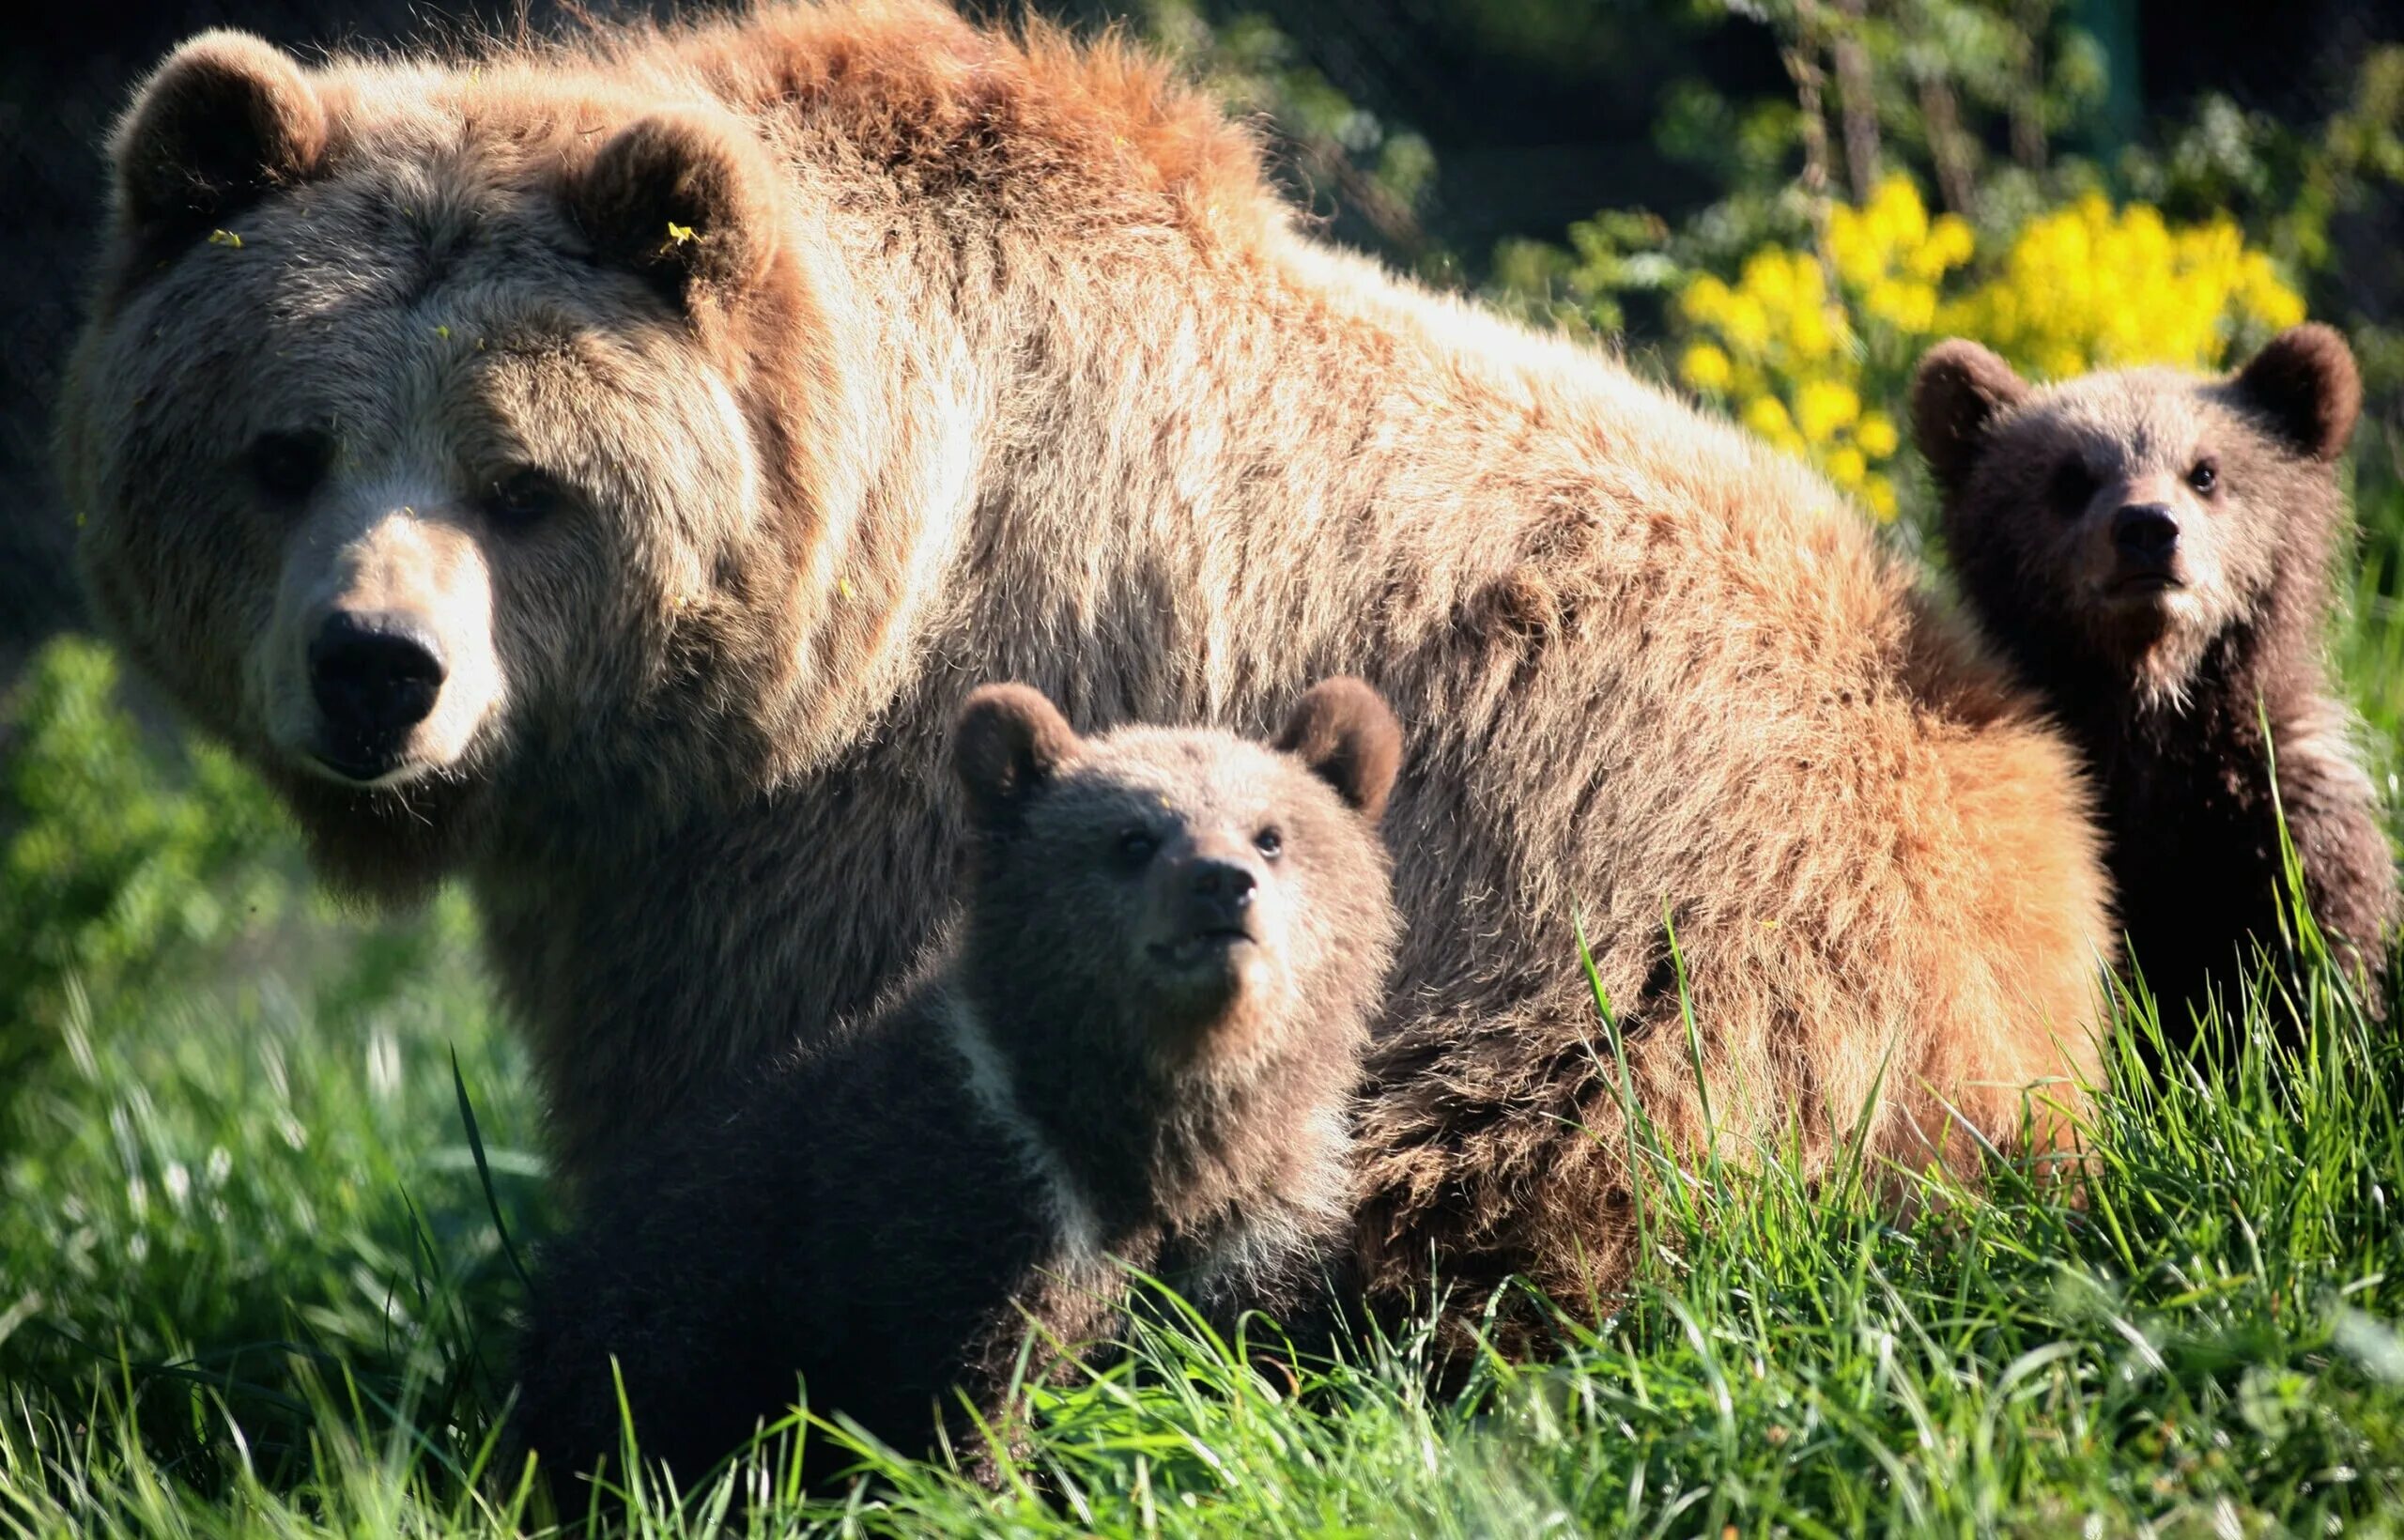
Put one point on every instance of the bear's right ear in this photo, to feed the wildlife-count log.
(1010, 741)
(2305, 381)
(684, 200)
(1346, 734)
(1957, 392)
(227, 120)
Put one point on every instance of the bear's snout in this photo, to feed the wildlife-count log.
(2144, 560)
(381, 663)
(374, 677)
(2145, 537)
(1204, 902)
(1218, 895)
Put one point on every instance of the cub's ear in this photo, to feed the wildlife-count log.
(227, 120)
(2304, 381)
(1344, 732)
(1010, 741)
(686, 200)
(1957, 392)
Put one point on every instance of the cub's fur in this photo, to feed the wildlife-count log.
(1142, 1049)
(600, 470)
(2153, 550)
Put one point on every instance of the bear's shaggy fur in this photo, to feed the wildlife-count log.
(723, 400)
(2153, 550)
(1142, 1051)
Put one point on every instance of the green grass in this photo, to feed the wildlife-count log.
(252, 1283)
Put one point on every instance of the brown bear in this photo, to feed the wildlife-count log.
(598, 469)
(2154, 551)
(1141, 1052)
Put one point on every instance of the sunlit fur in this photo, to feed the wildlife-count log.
(2167, 691)
(995, 355)
(894, 1208)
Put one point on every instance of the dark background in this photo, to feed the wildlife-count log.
(1539, 113)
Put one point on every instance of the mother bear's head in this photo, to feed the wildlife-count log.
(450, 439)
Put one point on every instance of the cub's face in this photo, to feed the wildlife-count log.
(2134, 517)
(409, 450)
(1224, 894)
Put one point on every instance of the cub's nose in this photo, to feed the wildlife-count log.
(2145, 533)
(1217, 894)
(375, 676)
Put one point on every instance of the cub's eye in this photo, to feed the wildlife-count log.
(1269, 843)
(1136, 847)
(2072, 489)
(523, 499)
(291, 465)
(2205, 477)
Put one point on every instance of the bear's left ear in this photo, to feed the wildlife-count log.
(1957, 392)
(1345, 733)
(686, 200)
(1010, 742)
(2304, 381)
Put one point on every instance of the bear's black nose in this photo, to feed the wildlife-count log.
(375, 676)
(1218, 893)
(2145, 533)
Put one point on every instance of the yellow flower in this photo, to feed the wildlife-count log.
(1766, 416)
(1745, 322)
(1705, 299)
(1810, 332)
(1706, 369)
(1950, 242)
(1807, 354)
(2087, 286)
(1856, 254)
(1769, 278)
(2270, 301)
(1892, 241)
(1823, 406)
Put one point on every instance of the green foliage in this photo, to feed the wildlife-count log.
(2368, 648)
(1377, 172)
(120, 868)
(233, 1162)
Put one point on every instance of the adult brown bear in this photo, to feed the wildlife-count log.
(602, 470)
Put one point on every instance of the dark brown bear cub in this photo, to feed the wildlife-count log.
(1142, 1048)
(2153, 550)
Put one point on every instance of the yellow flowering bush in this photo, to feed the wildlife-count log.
(2089, 287)
(1892, 255)
(1792, 353)
(1815, 355)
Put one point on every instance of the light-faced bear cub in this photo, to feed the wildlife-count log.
(1142, 1047)
(2153, 550)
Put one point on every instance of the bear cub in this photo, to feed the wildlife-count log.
(1143, 1046)
(2153, 549)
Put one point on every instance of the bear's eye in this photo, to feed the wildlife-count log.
(2072, 488)
(291, 465)
(2205, 477)
(523, 499)
(1269, 843)
(1136, 848)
